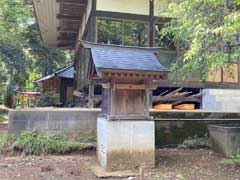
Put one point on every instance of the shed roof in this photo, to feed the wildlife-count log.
(125, 59)
(67, 72)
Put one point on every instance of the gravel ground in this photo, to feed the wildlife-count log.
(172, 164)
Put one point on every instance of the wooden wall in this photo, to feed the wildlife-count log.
(52, 84)
(227, 74)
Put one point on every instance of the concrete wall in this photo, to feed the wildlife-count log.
(225, 139)
(221, 100)
(171, 127)
(66, 120)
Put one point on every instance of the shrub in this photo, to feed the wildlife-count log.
(36, 143)
(236, 157)
(48, 98)
(5, 142)
(31, 143)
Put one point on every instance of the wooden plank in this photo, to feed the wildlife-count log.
(72, 18)
(78, 94)
(68, 29)
(151, 24)
(230, 73)
(77, 2)
(134, 86)
(157, 99)
(122, 16)
(215, 76)
(173, 92)
(133, 74)
(163, 107)
(197, 85)
(106, 85)
(91, 96)
(185, 107)
(129, 102)
(130, 86)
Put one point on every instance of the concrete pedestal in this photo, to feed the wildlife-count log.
(125, 144)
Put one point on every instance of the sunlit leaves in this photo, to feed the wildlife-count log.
(206, 33)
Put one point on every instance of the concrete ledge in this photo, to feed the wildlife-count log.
(225, 139)
(171, 127)
(52, 119)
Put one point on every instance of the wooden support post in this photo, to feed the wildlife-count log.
(147, 100)
(151, 24)
(91, 96)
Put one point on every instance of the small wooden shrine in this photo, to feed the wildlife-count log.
(126, 74)
(30, 98)
(61, 82)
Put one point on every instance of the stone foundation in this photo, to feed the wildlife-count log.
(226, 100)
(225, 139)
(125, 144)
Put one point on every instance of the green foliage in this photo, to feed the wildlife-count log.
(5, 142)
(236, 157)
(48, 98)
(3, 116)
(36, 143)
(22, 54)
(205, 33)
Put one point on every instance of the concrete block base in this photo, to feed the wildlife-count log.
(227, 100)
(225, 139)
(125, 144)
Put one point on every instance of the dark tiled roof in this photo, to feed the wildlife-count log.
(67, 72)
(125, 59)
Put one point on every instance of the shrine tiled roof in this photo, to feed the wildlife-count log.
(126, 59)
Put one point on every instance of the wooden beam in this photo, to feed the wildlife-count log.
(117, 15)
(151, 24)
(197, 85)
(91, 95)
(156, 99)
(72, 18)
(134, 86)
(130, 86)
(106, 85)
(60, 38)
(67, 30)
(74, 2)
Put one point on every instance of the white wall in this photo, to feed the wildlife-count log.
(124, 6)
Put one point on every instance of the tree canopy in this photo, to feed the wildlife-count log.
(206, 34)
(23, 57)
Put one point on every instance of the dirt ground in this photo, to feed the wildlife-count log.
(172, 164)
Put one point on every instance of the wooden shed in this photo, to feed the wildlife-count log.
(61, 82)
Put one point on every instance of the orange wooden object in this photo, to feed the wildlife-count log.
(185, 107)
(163, 107)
